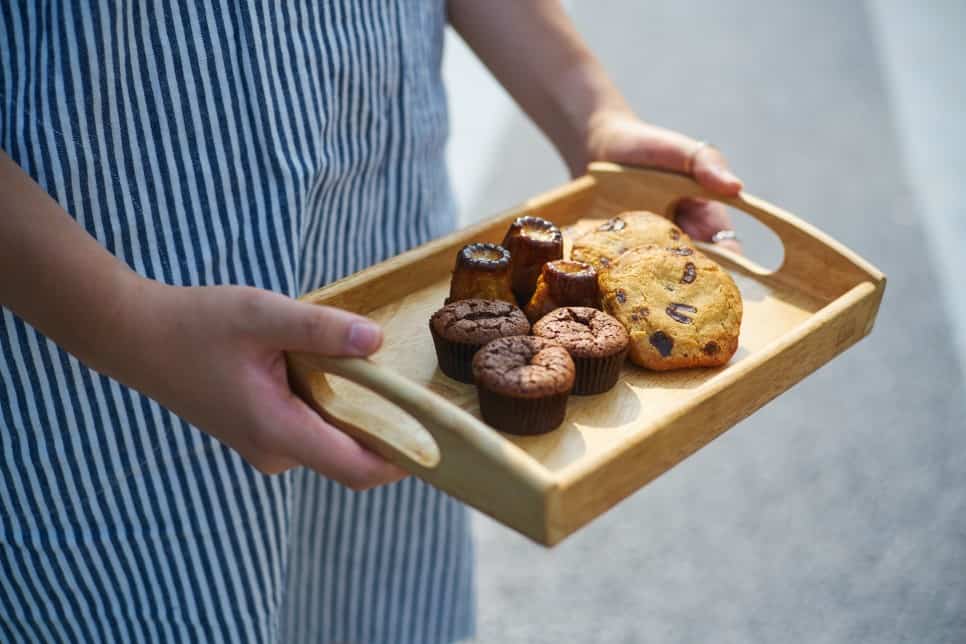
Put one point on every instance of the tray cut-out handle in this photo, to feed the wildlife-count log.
(813, 261)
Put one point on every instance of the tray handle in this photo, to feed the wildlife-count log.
(813, 261)
(456, 438)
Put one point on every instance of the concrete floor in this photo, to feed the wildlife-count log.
(838, 512)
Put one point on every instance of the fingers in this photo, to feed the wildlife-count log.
(702, 219)
(292, 325)
(709, 168)
(646, 144)
(303, 436)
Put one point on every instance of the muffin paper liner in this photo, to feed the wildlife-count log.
(522, 416)
(455, 358)
(597, 375)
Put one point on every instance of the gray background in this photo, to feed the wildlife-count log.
(838, 512)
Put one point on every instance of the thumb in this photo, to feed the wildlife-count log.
(299, 326)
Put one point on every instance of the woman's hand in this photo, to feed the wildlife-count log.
(622, 138)
(213, 355)
(534, 50)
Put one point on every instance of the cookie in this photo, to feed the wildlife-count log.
(679, 307)
(601, 246)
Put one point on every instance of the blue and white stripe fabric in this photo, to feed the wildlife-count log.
(273, 144)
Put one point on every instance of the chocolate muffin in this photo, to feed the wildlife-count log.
(596, 341)
(459, 329)
(523, 383)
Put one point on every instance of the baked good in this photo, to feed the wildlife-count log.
(460, 328)
(680, 308)
(532, 242)
(601, 246)
(523, 383)
(596, 341)
(482, 272)
(563, 283)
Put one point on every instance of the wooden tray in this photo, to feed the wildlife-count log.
(820, 301)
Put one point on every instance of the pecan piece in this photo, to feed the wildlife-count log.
(674, 312)
(639, 313)
(690, 273)
(612, 224)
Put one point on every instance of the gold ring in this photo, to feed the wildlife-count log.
(689, 162)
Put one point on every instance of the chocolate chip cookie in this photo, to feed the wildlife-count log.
(600, 247)
(680, 308)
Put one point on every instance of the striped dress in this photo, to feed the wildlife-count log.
(277, 144)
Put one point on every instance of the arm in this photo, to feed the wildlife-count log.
(213, 355)
(533, 49)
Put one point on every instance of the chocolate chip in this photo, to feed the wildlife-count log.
(689, 273)
(675, 234)
(711, 348)
(682, 250)
(613, 224)
(662, 342)
(674, 312)
(604, 262)
(621, 296)
(639, 313)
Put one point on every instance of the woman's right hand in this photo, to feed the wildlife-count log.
(213, 355)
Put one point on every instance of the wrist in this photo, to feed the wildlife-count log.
(123, 330)
(589, 100)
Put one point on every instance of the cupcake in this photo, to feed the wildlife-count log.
(532, 242)
(482, 271)
(459, 329)
(563, 283)
(523, 383)
(596, 341)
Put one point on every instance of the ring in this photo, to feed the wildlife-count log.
(689, 162)
(724, 235)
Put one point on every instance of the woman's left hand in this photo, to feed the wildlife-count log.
(623, 138)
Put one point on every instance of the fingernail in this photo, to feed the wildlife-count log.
(363, 338)
(726, 176)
